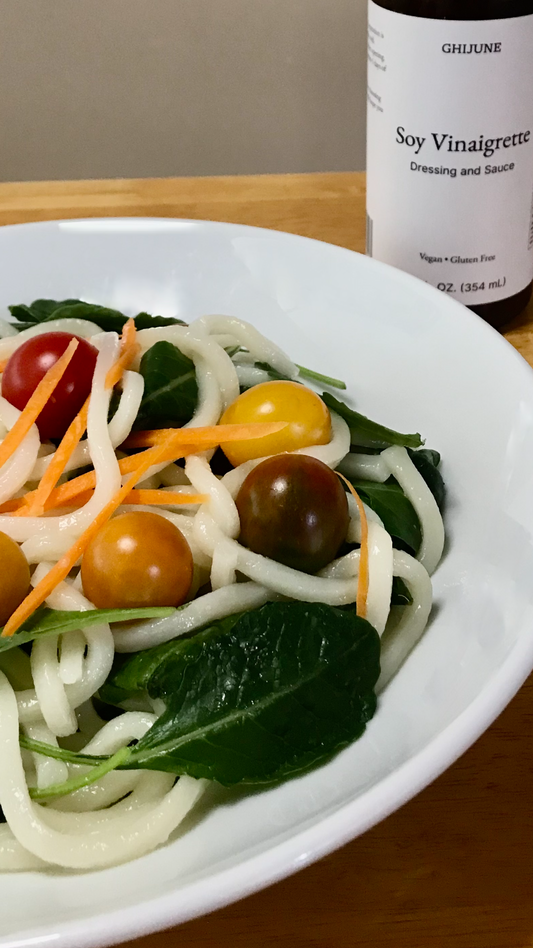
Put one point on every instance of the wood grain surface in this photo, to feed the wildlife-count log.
(453, 867)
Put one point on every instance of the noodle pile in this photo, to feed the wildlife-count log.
(47, 695)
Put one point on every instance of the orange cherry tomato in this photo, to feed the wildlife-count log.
(137, 559)
(309, 420)
(14, 577)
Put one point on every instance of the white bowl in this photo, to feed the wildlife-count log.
(415, 360)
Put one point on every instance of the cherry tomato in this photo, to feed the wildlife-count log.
(30, 363)
(309, 420)
(137, 559)
(14, 577)
(293, 509)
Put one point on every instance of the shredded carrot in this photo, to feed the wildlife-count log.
(63, 495)
(142, 496)
(11, 505)
(78, 500)
(3, 365)
(129, 349)
(180, 442)
(129, 334)
(362, 581)
(36, 403)
(153, 497)
(208, 437)
(59, 461)
(63, 566)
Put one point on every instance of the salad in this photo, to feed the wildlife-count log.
(211, 566)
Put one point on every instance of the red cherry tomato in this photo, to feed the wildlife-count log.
(30, 363)
(293, 509)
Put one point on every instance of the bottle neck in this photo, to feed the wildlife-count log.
(459, 9)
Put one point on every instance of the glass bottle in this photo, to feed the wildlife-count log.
(450, 147)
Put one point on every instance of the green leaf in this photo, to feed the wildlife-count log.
(110, 695)
(400, 593)
(364, 431)
(273, 374)
(426, 463)
(427, 455)
(170, 388)
(262, 697)
(37, 312)
(233, 350)
(396, 511)
(147, 321)
(114, 402)
(107, 319)
(15, 664)
(131, 674)
(46, 621)
(104, 317)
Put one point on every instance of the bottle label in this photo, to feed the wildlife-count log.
(450, 151)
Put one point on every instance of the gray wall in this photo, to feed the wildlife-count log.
(141, 88)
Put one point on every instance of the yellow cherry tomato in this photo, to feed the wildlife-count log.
(14, 577)
(137, 559)
(309, 420)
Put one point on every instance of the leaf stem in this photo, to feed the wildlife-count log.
(69, 786)
(60, 753)
(318, 377)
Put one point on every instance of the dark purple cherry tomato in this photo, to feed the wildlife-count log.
(293, 509)
(30, 363)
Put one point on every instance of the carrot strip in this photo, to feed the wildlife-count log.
(362, 581)
(59, 461)
(10, 506)
(208, 437)
(36, 403)
(143, 496)
(62, 495)
(179, 443)
(129, 334)
(115, 372)
(78, 500)
(63, 566)
(148, 497)
(3, 364)
(129, 349)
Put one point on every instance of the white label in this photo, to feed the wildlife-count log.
(450, 151)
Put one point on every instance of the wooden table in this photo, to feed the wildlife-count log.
(454, 867)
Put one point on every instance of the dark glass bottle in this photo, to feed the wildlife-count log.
(499, 311)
